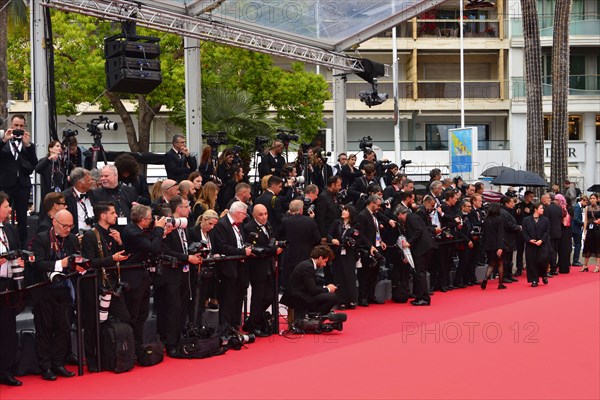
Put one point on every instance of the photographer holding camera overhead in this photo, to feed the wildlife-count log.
(103, 246)
(141, 241)
(54, 250)
(17, 163)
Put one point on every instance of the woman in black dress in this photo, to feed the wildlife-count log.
(51, 170)
(343, 236)
(566, 243)
(493, 228)
(591, 231)
(536, 234)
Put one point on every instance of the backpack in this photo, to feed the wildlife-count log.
(118, 347)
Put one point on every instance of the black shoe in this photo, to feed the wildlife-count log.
(10, 380)
(412, 296)
(484, 284)
(62, 371)
(513, 279)
(375, 301)
(476, 283)
(72, 359)
(552, 273)
(470, 284)
(507, 280)
(172, 352)
(461, 286)
(518, 273)
(419, 303)
(351, 306)
(577, 264)
(259, 333)
(545, 280)
(341, 307)
(444, 289)
(501, 286)
(534, 284)
(363, 303)
(48, 375)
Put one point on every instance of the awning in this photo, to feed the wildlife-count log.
(573, 172)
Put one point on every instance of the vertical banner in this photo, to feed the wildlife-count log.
(462, 144)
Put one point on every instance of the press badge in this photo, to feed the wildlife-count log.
(343, 252)
(591, 226)
(121, 221)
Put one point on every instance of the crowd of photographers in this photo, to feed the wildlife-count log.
(354, 222)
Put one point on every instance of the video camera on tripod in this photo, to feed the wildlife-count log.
(365, 143)
(17, 273)
(287, 135)
(216, 139)
(97, 125)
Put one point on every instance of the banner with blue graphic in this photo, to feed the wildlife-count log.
(463, 147)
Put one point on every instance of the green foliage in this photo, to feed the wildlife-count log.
(18, 56)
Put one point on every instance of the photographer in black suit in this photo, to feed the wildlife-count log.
(360, 185)
(9, 240)
(103, 246)
(511, 231)
(178, 161)
(231, 275)
(421, 244)
(303, 294)
(272, 163)
(172, 291)
(78, 200)
(327, 209)
(53, 303)
(142, 242)
(123, 197)
(17, 163)
(270, 199)
(371, 243)
(261, 272)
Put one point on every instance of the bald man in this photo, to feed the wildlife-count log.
(187, 191)
(53, 303)
(262, 273)
(169, 189)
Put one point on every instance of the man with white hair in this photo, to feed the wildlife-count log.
(113, 192)
(229, 241)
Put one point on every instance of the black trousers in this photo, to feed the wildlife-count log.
(344, 273)
(117, 309)
(172, 297)
(446, 252)
(52, 319)
(321, 303)
(19, 199)
(462, 276)
(8, 331)
(576, 246)
(537, 262)
(507, 260)
(520, 252)
(367, 280)
(553, 250)
(137, 299)
(473, 260)
(263, 293)
(420, 289)
(230, 293)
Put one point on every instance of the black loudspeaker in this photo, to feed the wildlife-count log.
(371, 69)
(131, 63)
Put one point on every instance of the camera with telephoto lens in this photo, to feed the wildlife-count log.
(69, 133)
(74, 262)
(365, 143)
(260, 141)
(349, 239)
(216, 139)
(264, 251)
(17, 272)
(341, 196)
(318, 323)
(200, 248)
(404, 163)
(101, 124)
(177, 222)
(156, 262)
(323, 155)
(234, 339)
(287, 135)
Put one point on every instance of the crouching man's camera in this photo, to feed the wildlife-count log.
(319, 323)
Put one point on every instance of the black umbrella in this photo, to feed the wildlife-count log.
(594, 188)
(493, 172)
(519, 178)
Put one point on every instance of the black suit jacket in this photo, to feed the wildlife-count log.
(89, 248)
(273, 205)
(493, 229)
(12, 235)
(13, 172)
(539, 231)
(271, 165)
(141, 245)
(302, 286)
(366, 229)
(554, 215)
(259, 268)
(326, 211)
(321, 174)
(348, 176)
(75, 208)
(511, 229)
(52, 175)
(177, 168)
(418, 236)
(226, 243)
(45, 261)
(359, 187)
(122, 196)
(302, 233)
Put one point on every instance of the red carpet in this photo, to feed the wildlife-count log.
(517, 343)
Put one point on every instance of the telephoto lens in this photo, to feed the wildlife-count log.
(18, 275)
(105, 299)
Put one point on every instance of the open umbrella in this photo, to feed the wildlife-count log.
(594, 188)
(519, 178)
(493, 172)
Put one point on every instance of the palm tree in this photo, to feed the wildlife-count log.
(533, 86)
(560, 93)
(12, 14)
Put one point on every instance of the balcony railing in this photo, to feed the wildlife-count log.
(589, 26)
(580, 85)
(422, 145)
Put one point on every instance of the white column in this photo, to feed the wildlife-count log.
(589, 135)
(38, 125)
(193, 95)
(340, 125)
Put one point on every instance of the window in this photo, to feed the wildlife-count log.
(436, 135)
(574, 127)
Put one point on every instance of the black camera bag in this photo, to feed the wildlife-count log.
(195, 347)
(118, 347)
(26, 360)
(152, 353)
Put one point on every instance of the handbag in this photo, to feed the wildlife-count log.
(152, 353)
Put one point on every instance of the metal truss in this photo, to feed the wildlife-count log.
(201, 27)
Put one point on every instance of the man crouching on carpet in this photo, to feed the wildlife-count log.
(303, 294)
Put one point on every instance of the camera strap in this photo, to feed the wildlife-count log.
(100, 249)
